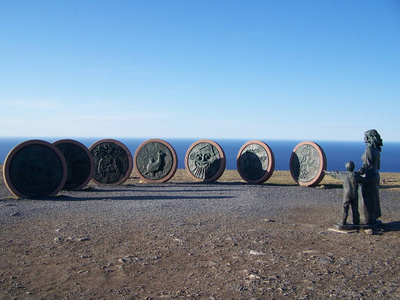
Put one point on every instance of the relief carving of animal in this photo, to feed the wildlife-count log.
(156, 165)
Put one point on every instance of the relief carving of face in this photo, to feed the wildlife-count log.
(202, 158)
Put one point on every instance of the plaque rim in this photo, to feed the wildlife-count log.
(87, 152)
(271, 165)
(130, 162)
(222, 166)
(320, 175)
(19, 147)
(174, 167)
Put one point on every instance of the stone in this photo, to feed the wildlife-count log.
(342, 231)
(254, 252)
(369, 231)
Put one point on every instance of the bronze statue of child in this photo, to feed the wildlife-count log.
(350, 181)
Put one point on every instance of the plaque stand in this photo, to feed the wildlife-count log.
(338, 226)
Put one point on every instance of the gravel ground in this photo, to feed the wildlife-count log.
(182, 240)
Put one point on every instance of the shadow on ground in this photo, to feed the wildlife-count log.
(392, 226)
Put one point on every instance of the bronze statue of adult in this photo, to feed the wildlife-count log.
(369, 205)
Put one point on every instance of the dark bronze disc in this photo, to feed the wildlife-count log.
(205, 161)
(35, 169)
(255, 162)
(307, 164)
(80, 163)
(112, 162)
(155, 161)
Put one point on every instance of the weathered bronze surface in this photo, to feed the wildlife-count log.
(205, 161)
(112, 160)
(35, 169)
(361, 189)
(350, 180)
(369, 200)
(155, 161)
(80, 164)
(255, 162)
(307, 163)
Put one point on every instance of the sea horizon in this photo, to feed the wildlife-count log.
(337, 152)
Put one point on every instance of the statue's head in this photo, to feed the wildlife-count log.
(350, 166)
(373, 138)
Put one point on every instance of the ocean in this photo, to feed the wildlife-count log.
(337, 153)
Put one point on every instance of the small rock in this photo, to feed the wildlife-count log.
(180, 241)
(311, 252)
(253, 252)
(17, 214)
(369, 231)
(84, 239)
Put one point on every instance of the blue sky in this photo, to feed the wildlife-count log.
(251, 69)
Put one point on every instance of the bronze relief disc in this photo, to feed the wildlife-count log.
(205, 161)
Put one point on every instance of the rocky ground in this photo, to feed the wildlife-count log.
(185, 240)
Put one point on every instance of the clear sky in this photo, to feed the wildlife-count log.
(250, 69)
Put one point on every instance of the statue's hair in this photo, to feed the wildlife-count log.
(374, 139)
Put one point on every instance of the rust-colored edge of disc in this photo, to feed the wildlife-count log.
(222, 166)
(15, 150)
(130, 166)
(271, 165)
(88, 153)
(317, 179)
(174, 163)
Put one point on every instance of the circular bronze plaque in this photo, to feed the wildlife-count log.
(80, 163)
(205, 161)
(112, 162)
(35, 169)
(307, 164)
(255, 162)
(155, 161)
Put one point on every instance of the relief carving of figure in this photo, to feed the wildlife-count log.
(202, 160)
